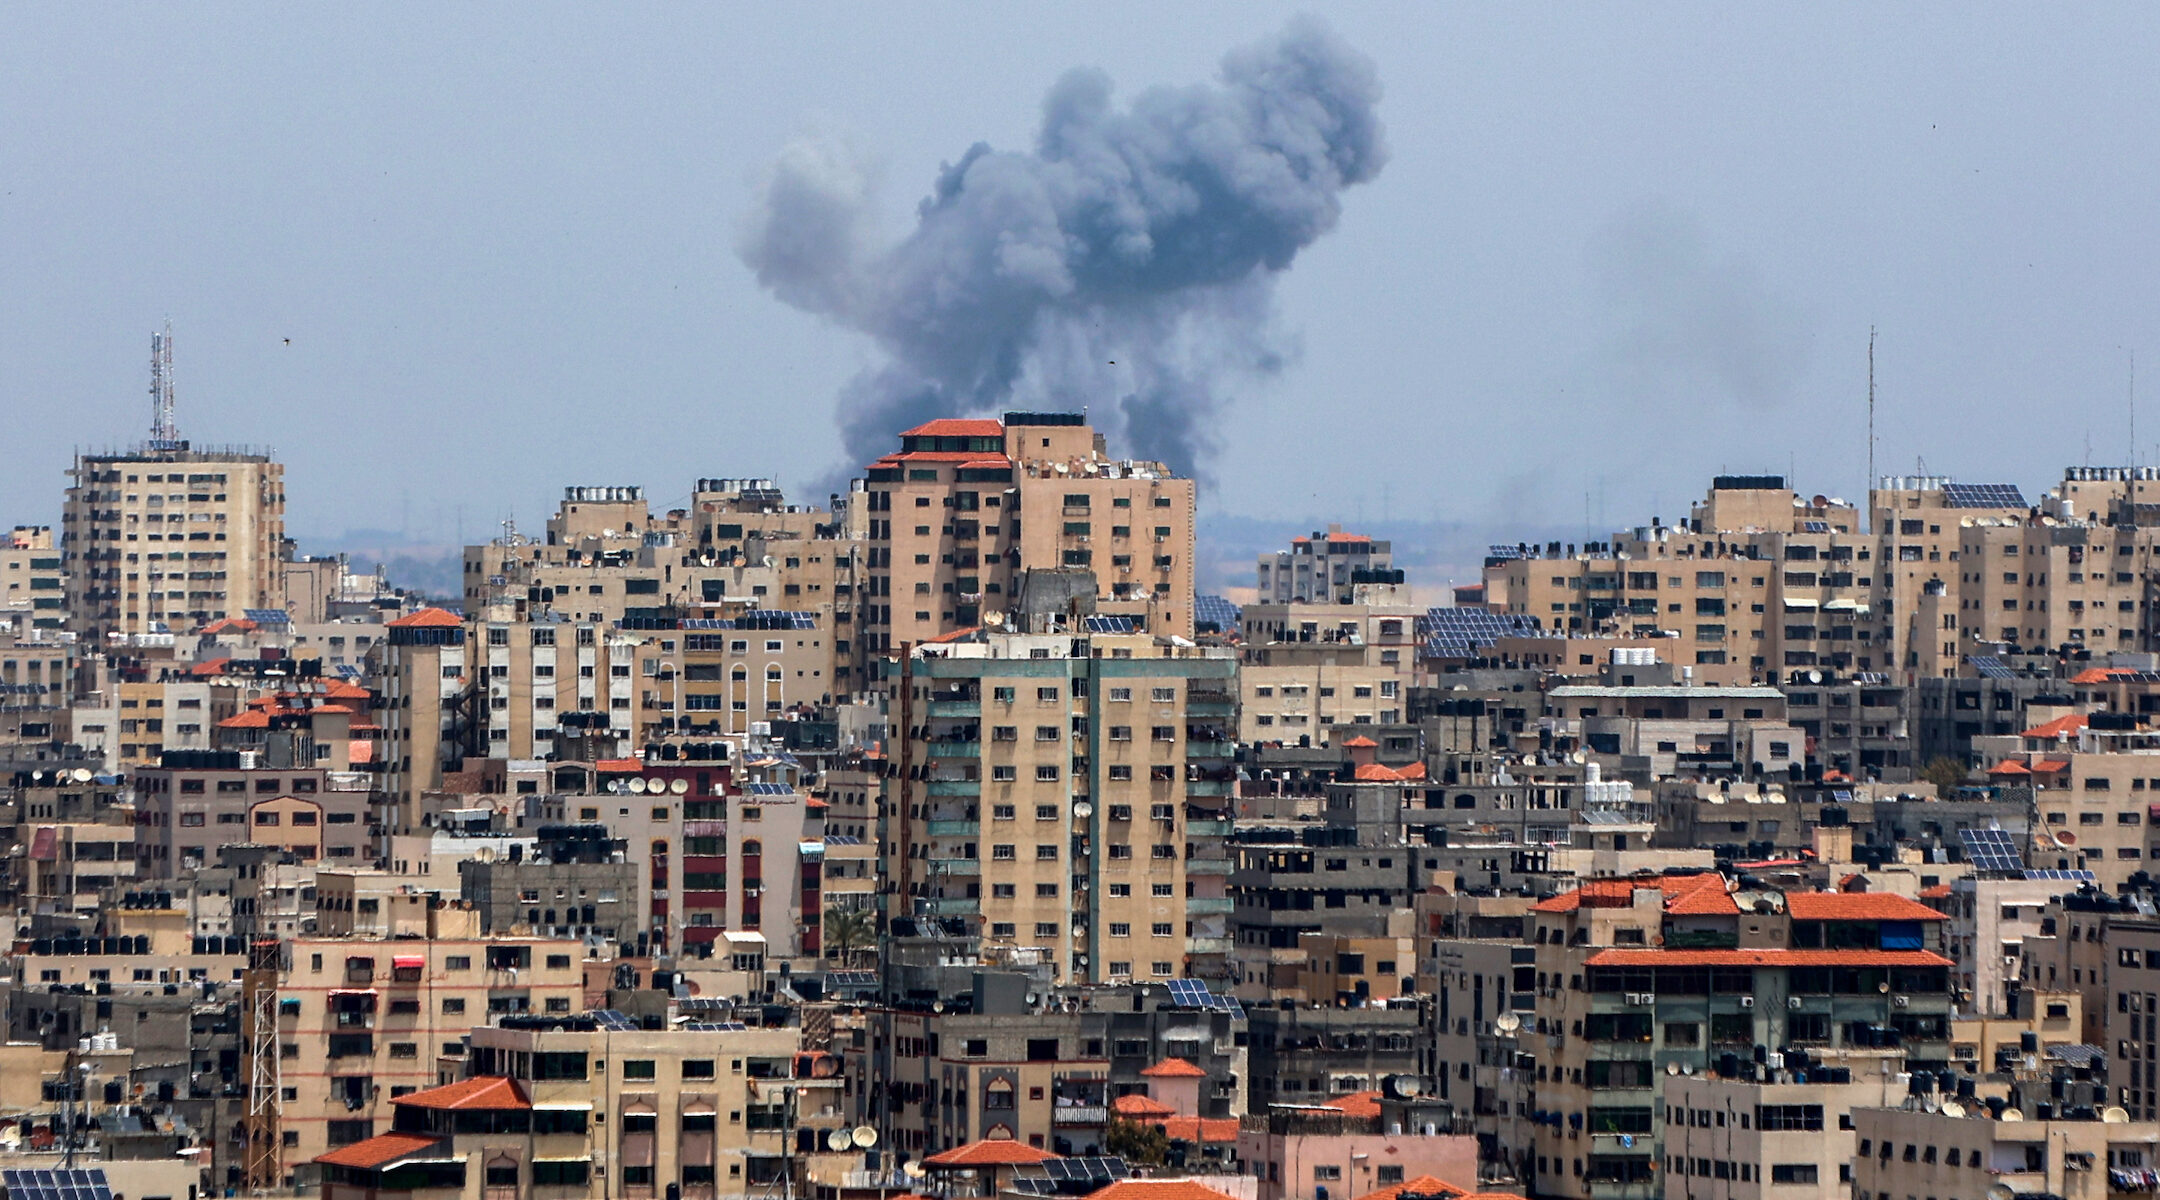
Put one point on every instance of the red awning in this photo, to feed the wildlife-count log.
(43, 845)
(407, 962)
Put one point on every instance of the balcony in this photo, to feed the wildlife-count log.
(1210, 749)
(956, 708)
(953, 828)
(1207, 945)
(1209, 906)
(948, 906)
(1207, 866)
(955, 749)
(954, 787)
(1209, 828)
(1070, 1115)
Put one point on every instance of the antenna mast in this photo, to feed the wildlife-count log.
(1871, 406)
(163, 436)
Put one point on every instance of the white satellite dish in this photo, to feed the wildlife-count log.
(656, 785)
(614, 787)
(1672, 1068)
(2114, 1114)
(1507, 1022)
(1083, 810)
(636, 784)
(2001, 1191)
(913, 1170)
(1578, 758)
(680, 787)
(82, 775)
(839, 1139)
(866, 1136)
(2012, 1114)
(1951, 1108)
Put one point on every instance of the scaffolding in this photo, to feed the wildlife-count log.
(263, 1162)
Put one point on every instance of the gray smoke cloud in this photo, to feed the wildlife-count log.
(1127, 263)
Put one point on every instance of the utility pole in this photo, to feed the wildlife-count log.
(1870, 484)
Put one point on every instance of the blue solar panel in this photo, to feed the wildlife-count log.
(1983, 495)
(1987, 666)
(1217, 611)
(57, 1184)
(768, 789)
(2062, 876)
(1112, 624)
(1814, 526)
(1503, 553)
(268, 616)
(1991, 850)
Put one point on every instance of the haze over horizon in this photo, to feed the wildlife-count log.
(447, 264)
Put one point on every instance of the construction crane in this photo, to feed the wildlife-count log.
(163, 434)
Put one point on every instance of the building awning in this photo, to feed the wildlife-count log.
(1798, 602)
(573, 1158)
(698, 1105)
(562, 1106)
(352, 991)
(407, 962)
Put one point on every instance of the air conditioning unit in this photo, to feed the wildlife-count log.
(1747, 1001)
(1901, 1002)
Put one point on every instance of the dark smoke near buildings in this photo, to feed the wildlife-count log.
(1126, 265)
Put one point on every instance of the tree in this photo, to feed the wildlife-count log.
(1946, 773)
(1137, 1143)
(848, 932)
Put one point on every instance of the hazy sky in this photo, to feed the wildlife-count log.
(451, 258)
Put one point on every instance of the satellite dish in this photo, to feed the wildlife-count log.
(656, 786)
(913, 1170)
(2114, 1114)
(10, 1136)
(82, 774)
(993, 619)
(1672, 1068)
(1884, 986)
(2012, 1114)
(2064, 838)
(1951, 1108)
(1083, 810)
(1578, 758)
(1507, 1022)
(839, 1139)
(636, 784)
(937, 1006)
(1931, 1104)
(1814, 676)
(680, 787)
(614, 787)
(866, 1136)
(2001, 1191)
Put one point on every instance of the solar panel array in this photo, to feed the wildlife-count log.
(1503, 553)
(612, 1019)
(1217, 611)
(851, 978)
(715, 1026)
(1194, 993)
(2062, 876)
(57, 1184)
(1085, 1170)
(1814, 526)
(704, 1004)
(1987, 666)
(1111, 624)
(268, 616)
(1983, 495)
(1991, 850)
(757, 618)
(768, 789)
(1461, 632)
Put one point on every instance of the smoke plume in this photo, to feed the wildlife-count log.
(1127, 263)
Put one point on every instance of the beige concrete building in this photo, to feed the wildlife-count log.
(1908, 1151)
(363, 1021)
(171, 539)
(31, 585)
(1786, 1138)
(1321, 569)
(1306, 669)
(1068, 797)
(965, 506)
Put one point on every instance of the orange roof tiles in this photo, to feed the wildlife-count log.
(1364, 1105)
(1137, 1105)
(998, 1152)
(1767, 958)
(2099, 674)
(1198, 1129)
(481, 1093)
(2009, 766)
(954, 636)
(1423, 1185)
(254, 718)
(2049, 766)
(230, 625)
(1157, 1189)
(1358, 742)
(1615, 893)
(618, 764)
(957, 427)
(1375, 773)
(1173, 1068)
(2059, 728)
(378, 1151)
(208, 668)
(428, 618)
(1857, 906)
(338, 689)
(1940, 891)
(1710, 900)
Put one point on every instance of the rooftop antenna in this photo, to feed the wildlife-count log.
(163, 435)
(1871, 406)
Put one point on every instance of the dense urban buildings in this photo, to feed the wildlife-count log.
(941, 838)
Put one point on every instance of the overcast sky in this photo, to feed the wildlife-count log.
(448, 259)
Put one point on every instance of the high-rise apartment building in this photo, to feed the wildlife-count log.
(169, 539)
(1066, 798)
(965, 506)
(1323, 568)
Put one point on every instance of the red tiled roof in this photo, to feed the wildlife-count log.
(481, 1093)
(1137, 1105)
(613, 765)
(332, 708)
(1365, 1105)
(2060, 727)
(1359, 742)
(1173, 1068)
(378, 1151)
(209, 668)
(1621, 892)
(1709, 900)
(2099, 674)
(428, 618)
(2049, 766)
(1157, 1189)
(1940, 891)
(954, 636)
(997, 1152)
(254, 718)
(963, 457)
(1199, 1129)
(1767, 958)
(2009, 766)
(230, 624)
(1857, 906)
(1375, 773)
(957, 427)
(1423, 1185)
